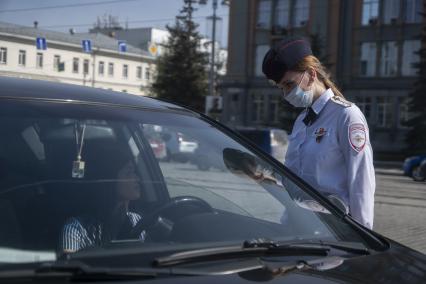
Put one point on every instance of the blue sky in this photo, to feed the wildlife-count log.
(138, 13)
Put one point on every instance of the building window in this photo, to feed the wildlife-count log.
(147, 74)
(384, 112)
(75, 65)
(101, 68)
(39, 60)
(56, 61)
(258, 108)
(403, 113)
(139, 72)
(388, 63)
(413, 8)
(86, 66)
(125, 71)
(370, 11)
(301, 13)
(110, 69)
(264, 14)
(22, 58)
(273, 111)
(390, 11)
(410, 57)
(368, 59)
(282, 14)
(364, 104)
(3, 55)
(260, 53)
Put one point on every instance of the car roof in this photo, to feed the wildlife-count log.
(45, 90)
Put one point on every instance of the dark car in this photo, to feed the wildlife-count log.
(84, 198)
(412, 163)
(419, 174)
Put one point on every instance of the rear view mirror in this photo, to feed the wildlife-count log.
(339, 203)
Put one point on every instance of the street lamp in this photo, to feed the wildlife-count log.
(212, 61)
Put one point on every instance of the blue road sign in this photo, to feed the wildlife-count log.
(122, 47)
(41, 43)
(87, 45)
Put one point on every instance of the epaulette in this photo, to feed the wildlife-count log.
(341, 101)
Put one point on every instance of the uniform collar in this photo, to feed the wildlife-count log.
(319, 104)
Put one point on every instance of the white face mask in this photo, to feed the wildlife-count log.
(298, 97)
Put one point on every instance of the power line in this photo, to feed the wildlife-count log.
(134, 21)
(65, 6)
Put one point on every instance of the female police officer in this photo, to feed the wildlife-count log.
(329, 146)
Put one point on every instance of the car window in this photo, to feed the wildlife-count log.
(74, 178)
(198, 163)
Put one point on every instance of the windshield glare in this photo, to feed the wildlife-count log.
(76, 180)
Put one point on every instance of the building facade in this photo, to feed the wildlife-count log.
(142, 38)
(65, 61)
(369, 46)
(154, 39)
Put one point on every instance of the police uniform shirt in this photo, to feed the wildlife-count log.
(334, 154)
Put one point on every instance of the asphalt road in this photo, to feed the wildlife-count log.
(400, 208)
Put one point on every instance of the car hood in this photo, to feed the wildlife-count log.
(398, 264)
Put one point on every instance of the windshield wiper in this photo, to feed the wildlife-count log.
(79, 271)
(260, 247)
(349, 247)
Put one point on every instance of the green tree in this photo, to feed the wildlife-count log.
(416, 136)
(181, 71)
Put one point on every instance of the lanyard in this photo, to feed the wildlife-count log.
(78, 166)
(79, 139)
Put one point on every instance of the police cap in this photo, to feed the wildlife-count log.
(284, 56)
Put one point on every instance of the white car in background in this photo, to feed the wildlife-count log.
(179, 147)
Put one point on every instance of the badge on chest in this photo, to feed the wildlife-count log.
(319, 134)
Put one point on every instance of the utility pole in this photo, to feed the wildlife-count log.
(214, 18)
(93, 66)
(212, 63)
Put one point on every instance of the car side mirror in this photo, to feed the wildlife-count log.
(339, 203)
(237, 160)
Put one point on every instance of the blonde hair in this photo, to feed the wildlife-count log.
(311, 61)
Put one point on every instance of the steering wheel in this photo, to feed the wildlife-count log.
(175, 209)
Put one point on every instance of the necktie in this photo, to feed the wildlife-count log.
(310, 117)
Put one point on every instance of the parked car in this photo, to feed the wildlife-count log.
(156, 142)
(180, 146)
(419, 173)
(83, 198)
(411, 164)
(159, 148)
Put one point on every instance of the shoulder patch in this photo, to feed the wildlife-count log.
(357, 135)
(341, 101)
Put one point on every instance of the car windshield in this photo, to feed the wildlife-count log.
(79, 177)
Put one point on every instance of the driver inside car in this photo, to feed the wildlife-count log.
(111, 218)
